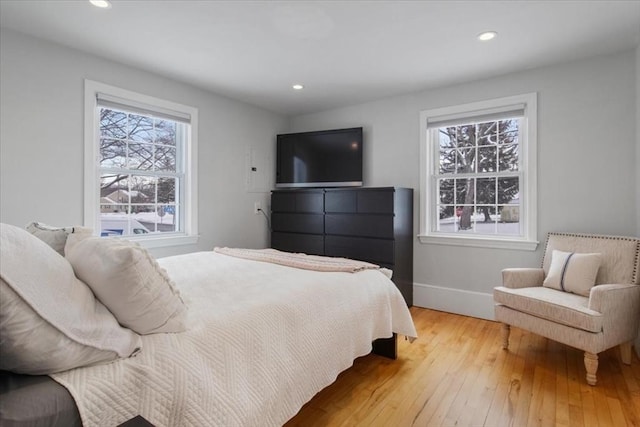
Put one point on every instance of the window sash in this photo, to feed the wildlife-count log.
(433, 141)
(434, 226)
(182, 132)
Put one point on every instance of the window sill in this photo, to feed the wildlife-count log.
(150, 242)
(480, 242)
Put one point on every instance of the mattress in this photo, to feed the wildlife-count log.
(261, 340)
(33, 401)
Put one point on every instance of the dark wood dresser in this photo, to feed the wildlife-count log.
(367, 224)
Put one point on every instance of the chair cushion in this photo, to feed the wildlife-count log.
(572, 272)
(550, 304)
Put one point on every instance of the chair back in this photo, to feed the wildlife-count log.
(620, 255)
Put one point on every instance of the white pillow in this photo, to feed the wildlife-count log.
(49, 320)
(573, 272)
(56, 237)
(126, 279)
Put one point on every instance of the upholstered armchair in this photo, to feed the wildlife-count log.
(586, 295)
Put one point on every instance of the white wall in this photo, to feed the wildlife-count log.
(41, 145)
(586, 160)
(638, 147)
(637, 343)
(589, 149)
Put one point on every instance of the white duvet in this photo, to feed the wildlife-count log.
(262, 339)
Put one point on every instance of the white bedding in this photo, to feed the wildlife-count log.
(261, 340)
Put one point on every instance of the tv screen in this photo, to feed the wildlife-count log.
(330, 158)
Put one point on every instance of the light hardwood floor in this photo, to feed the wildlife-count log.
(456, 374)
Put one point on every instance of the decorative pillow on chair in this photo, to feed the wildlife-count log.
(129, 281)
(49, 320)
(573, 272)
(56, 237)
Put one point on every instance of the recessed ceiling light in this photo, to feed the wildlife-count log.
(298, 87)
(487, 35)
(104, 4)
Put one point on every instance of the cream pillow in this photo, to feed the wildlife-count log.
(126, 279)
(573, 272)
(56, 237)
(49, 320)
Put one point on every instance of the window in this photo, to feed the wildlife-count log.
(479, 174)
(139, 166)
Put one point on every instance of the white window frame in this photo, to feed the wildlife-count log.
(429, 166)
(189, 235)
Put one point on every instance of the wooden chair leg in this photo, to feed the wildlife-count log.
(625, 353)
(506, 330)
(591, 364)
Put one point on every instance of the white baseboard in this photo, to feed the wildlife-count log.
(458, 301)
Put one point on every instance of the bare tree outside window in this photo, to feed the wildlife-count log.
(478, 180)
(140, 174)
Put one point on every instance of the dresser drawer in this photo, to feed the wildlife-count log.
(378, 226)
(283, 202)
(297, 222)
(372, 250)
(375, 201)
(310, 202)
(312, 244)
(302, 201)
(359, 201)
(341, 201)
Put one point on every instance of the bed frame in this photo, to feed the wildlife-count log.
(386, 347)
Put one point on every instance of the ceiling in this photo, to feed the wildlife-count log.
(343, 52)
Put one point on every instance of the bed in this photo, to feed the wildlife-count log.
(260, 339)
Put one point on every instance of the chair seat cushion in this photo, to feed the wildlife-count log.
(550, 304)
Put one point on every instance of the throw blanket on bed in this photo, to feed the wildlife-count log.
(298, 260)
(262, 339)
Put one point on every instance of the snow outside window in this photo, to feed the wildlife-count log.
(140, 172)
(478, 174)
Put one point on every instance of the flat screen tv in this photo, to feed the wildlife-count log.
(329, 158)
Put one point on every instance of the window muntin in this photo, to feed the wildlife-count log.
(478, 174)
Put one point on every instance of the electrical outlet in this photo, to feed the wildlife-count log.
(257, 207)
